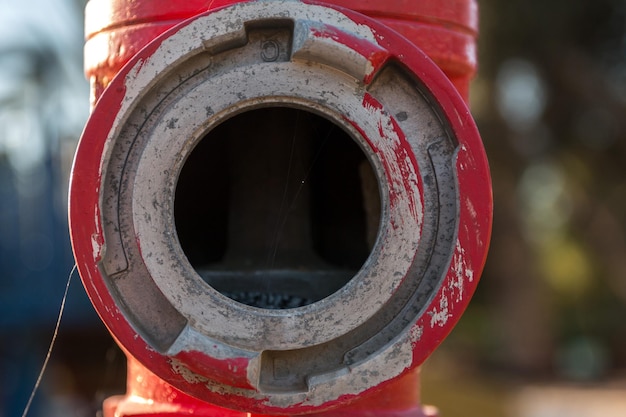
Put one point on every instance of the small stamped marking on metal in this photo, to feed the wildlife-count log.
(270, 50)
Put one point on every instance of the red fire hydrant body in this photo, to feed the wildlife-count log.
(445, 30)
(169, 77)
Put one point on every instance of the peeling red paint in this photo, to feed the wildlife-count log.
(376, 56)
(404, 156)
(229, 371)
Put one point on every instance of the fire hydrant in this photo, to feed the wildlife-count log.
(279, 207)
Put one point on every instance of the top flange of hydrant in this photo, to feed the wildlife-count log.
(277, 207)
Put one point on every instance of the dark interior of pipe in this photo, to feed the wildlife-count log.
(277, 207)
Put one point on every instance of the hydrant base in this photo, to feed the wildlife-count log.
(150, 396)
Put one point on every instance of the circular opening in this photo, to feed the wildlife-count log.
(277, 208)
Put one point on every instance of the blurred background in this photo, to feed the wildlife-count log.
(545, 335)
(44, 103)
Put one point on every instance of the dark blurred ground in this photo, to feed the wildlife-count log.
(545, 335)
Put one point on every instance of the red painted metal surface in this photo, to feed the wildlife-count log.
(150, 396)
(445, 30)
(122, 32)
